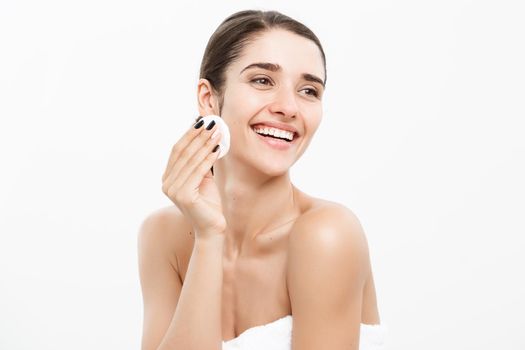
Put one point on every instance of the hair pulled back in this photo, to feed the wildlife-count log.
(235, 32)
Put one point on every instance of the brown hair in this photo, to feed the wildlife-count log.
(235, 32)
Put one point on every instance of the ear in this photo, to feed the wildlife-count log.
(207, 98)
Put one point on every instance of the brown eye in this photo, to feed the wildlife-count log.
(312, 92)
(262, 81)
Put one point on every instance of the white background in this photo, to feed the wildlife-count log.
(422, 137)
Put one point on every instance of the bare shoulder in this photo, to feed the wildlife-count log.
(159, 239)
(163, 223)
(330, 229)
(161, 233)
(327, 220)
(328, 266)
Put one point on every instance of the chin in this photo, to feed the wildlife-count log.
(271, 165)
(273, 169)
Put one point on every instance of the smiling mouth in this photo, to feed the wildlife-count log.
(275, 137)
(294, 137)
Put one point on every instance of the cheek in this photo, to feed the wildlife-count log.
(313, 116)
(243, 102)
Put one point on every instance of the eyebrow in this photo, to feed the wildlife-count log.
(273, 67)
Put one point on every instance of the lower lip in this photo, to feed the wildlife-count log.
(276, 143)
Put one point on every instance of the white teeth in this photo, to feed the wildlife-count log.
(275, 132)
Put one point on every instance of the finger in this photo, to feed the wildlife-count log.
(181, 145)
(203, 169)
(192, 157)
(184, 159)
(183, 142)
(195, 162)
(197, 119)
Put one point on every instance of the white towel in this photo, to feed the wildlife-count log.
(277, 335)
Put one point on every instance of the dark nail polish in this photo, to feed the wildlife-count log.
(215, 148)
(212, 170)
(199, 118)
(210, 126)
(199, 124)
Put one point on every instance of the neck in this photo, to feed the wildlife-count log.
(253, 202)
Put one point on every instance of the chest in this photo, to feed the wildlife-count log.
(254, 290)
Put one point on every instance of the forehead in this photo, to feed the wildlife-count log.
(296, 54)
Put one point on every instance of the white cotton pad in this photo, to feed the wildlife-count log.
(225, 132)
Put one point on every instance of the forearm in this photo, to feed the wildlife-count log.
(196, 324)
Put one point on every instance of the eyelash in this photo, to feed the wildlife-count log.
(315, 93)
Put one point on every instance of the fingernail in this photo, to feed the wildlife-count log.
(199, 124)
(210, 126)
(215, 148)
(212, 170)
(199, 118)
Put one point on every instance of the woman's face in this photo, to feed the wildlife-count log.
(277, 81)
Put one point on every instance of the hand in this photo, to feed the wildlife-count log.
(188, 181)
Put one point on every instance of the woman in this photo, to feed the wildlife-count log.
(243, 249)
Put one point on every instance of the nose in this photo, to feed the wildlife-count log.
(285, 103)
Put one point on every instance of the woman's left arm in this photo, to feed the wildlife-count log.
(328, 264)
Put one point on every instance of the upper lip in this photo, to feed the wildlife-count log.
(277, 125)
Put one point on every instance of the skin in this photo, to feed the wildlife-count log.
(254, 175)
(284, 251)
